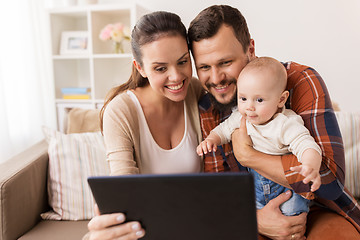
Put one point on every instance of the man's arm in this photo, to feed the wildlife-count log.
(269, 166)
(311, 101)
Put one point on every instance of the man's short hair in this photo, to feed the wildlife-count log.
(208, 22)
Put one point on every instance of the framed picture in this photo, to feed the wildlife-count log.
(74, 42)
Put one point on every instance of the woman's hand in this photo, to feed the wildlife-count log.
(112, 226)
(273, 224)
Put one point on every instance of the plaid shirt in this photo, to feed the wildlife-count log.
(310, 99)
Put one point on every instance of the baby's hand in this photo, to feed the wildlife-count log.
(206, 146)
(310, 174)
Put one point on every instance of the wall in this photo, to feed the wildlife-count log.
(324, 34)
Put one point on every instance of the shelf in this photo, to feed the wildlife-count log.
(71, 73)
(96, 7)
(122, 55)
(109, 73)
(77, 101)
(98, 68)
(70, 56)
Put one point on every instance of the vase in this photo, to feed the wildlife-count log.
(118, 47)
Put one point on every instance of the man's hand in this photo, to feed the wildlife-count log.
(269, 166)
(243, 146)
(273, 224)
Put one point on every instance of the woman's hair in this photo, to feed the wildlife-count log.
(149, 28)
(208, 22)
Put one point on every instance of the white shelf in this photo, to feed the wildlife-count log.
(123, 55)
(67, 101)
(82, 56)
(95, 56)
(99, 68)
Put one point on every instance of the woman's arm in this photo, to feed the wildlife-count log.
(120, 139)
(120, 130)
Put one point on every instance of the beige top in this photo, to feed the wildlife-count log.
(122, 135)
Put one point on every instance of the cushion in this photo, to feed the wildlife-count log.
(83, 120)
(72, 159)
(349, 123)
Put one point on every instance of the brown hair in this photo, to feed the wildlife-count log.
(149, 28)
(208, 22)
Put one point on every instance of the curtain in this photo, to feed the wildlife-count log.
(26, 89)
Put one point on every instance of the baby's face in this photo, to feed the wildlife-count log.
(258, 98)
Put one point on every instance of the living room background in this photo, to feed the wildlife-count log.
(323, 34)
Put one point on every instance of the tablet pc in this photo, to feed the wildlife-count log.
(182, 206)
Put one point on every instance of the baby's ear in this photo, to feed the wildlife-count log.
(284, 96)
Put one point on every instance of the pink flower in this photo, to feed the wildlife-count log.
(105, 33)
(119, 27)
(116, 32)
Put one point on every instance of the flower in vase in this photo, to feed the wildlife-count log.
(116, 32)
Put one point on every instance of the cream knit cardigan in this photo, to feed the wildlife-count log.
(121, 129)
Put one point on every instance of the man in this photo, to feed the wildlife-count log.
(221, 46)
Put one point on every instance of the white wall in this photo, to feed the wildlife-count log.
(324, 34)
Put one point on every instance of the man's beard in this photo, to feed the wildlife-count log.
(220, 106)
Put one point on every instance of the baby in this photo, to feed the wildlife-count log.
(272, 128)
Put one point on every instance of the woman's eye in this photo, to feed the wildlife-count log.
(260, 100)
(183, 62)
(160, 69)
(243, 99)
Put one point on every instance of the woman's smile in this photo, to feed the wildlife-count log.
(176, 87)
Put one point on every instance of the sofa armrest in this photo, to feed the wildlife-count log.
(23, 191)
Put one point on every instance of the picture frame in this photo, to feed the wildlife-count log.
(74, 42)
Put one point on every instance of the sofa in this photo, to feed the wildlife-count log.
(24, 190)
(24, 197)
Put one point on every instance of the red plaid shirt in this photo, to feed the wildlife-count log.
(310, 99)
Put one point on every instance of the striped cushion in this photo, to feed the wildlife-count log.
(349, 124)
(73, 158)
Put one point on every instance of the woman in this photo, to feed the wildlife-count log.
(160, 90)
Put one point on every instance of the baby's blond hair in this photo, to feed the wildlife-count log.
(270, 64)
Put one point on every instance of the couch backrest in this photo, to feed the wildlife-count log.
(23, 191)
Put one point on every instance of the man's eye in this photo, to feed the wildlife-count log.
(205, 67)
(259, 100)
(226, 62)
